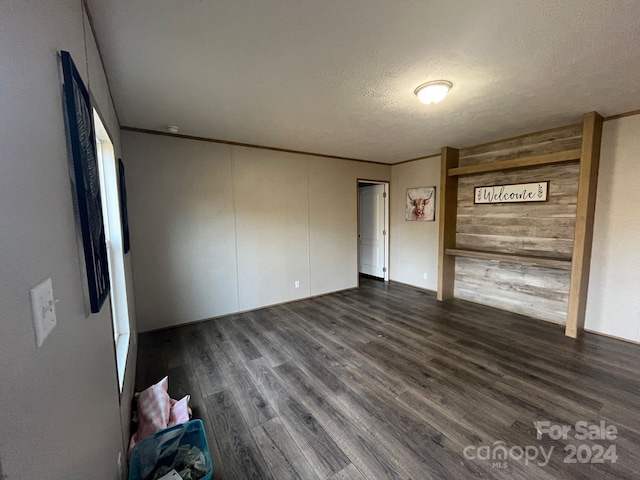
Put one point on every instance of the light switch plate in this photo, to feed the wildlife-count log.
(43, 308)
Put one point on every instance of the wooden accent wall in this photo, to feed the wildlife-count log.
(536, 228)
(529, 258)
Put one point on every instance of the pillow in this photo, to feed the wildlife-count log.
(180, 411)
(154, 406)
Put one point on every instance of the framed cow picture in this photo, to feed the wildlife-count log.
(421, 204)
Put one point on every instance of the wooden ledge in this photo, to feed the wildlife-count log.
(524, 162)
(538, 261)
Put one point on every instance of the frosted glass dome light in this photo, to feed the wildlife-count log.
(433, 92)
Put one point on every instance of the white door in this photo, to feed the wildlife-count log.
(372, 230)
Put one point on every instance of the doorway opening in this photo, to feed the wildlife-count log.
(373, 229)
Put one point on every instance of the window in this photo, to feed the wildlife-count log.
(108, 172)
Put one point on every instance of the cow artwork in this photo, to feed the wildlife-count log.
(421, 204)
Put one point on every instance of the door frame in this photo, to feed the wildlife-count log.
(387, 216)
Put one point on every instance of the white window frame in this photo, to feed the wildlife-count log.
(108, 173)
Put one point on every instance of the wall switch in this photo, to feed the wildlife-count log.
(296, 284)
(43, 309)
(425, 276)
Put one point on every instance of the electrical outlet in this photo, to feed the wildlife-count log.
(43, 309)
(296, 284)
(425, 276)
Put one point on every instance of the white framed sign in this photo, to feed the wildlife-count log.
(516, 193)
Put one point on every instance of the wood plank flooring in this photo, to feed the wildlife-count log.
(384, 382)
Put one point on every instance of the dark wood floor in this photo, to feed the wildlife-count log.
(384, 382)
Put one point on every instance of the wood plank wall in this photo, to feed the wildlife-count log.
(538, 229)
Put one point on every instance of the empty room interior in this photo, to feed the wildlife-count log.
(360, 240)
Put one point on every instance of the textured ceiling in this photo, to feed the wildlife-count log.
(336, 77)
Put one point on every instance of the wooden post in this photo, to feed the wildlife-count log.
(448, 218)
(585, 208)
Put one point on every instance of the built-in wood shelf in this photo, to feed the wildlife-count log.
(524, 162)
(568, 158)
(538, 261)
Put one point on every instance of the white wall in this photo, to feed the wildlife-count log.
(613, 305)
(219, 229)
(414, 245)
(272, 226)
(333, 223)
(60, 415)
(182, 228)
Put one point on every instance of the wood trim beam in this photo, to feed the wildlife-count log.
(622, 115)
(448, 221)
(585, 208)
(524, 162)
(549, 262)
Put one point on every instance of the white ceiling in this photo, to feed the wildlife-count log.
(337, 76)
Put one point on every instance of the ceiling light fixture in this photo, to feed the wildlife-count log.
(433, 92)
(172, 129)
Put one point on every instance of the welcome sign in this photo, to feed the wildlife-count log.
(516, 193)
